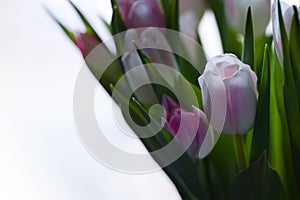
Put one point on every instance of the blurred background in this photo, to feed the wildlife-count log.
(41, 156)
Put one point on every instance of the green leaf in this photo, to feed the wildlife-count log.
(248, 46)
(260, 139)
(172, 16)
(117, 24)
(89, 28)
(280, 148)
(257, 182)
(67, 31)
(294, 51)
(290, 96)
(295, 72)
(165, 5)
(188, 70)
(223, 160)
(182, 172)
(108, 26)
(154, 77)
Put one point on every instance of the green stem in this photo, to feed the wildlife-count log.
(240, 151)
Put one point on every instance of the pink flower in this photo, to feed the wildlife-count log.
(151, 40)
(229, 85)
(236, 11)
(288, 13)
(141, 13)
(189, 128)
(86, 43)
(191, 12)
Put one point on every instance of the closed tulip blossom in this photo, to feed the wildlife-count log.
(190, 128)
(86, 43)
(148, 37)
(191, 12)
(236, 12)
(229, 85)
(287, 13)
(141, 13)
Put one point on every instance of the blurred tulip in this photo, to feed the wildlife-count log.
(287, 13)
(141, 13)
(236, 11)
(190, 128)
(145, 39)
(191, 12)
(233, 84)
(86, 43)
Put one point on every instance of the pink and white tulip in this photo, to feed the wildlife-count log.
(158, 55)
(141, 13)
(191, 12)
(236, 11)
(86, 43)
(287, 13)
(189, 128)
(229, 85)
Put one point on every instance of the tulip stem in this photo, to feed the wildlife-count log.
(240, 151)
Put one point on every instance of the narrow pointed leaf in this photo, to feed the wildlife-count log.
(89, 28)
(260, 139)
(182, 172)
(67, 32)
(294, 51)
(259, 182)
(173, 15)
(248, 47)
(117, 24)
(293, 92)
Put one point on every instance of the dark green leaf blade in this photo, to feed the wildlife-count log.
(88, 26)
(294, 51)
(117, 24)
(248, 46)
(172, 17)
(182, 172)
(260, 139)
(293, 92)
(66, 30)
(259, 182)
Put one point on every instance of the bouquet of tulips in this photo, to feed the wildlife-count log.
(226, 127)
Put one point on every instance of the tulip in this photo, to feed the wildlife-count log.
(86, 43)
(191, 12)
(236, 11)
(229, 85)
(287, 13)
(190, 128)
(141, 13)
(148, 37)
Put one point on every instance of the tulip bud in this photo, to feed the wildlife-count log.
(86, 43)
(190, 128)
(287, 13)
(229, 85)
(236, 11)
(141, 13)
(191, 12)
(147, 38)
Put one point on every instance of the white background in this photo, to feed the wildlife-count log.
(41, 156)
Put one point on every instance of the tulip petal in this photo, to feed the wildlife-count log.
(86, 43)
(242, 100)
(214, 101)
(144, 14)
(276, 29)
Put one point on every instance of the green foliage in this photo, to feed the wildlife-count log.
(260, 139)
(248, 46)
(276, 130)
(258, 182)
